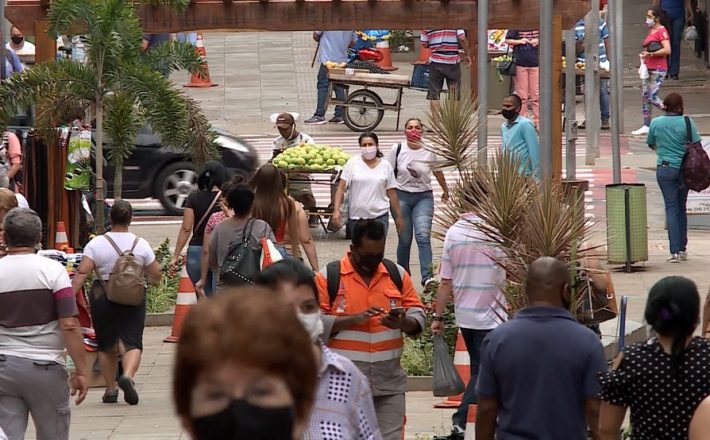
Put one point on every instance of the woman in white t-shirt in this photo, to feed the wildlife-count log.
(118, 327)
(371, 186)
(412, 163)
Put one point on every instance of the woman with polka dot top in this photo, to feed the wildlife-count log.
(664, 379)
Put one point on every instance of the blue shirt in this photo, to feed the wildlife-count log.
(520, 138)
(603, 35)
(334, 45)
(669, 134)
(541, 366)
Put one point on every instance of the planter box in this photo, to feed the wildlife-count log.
(159, 319)
(419, 383)
(404, 57)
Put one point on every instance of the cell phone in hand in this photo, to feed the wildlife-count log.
(396, 312)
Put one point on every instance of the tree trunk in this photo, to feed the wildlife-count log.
(118, 180)
(99, 220)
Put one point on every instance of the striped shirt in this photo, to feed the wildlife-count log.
(476, 278)
(34, 295)
(444, 45)
(603, 35)
(343, 407)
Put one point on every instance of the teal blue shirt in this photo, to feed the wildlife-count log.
(668, 135)
(520, 138)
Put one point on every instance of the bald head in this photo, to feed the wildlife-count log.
(547, 281)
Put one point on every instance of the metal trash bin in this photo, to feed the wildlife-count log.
(626, 221)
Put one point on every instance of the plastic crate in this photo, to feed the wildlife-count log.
(420, 77)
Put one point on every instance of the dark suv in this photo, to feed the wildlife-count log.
(158, 172)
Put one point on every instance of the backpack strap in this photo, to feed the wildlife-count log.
(688, 130)
(395, 275)
(246, 233)
(135, 243)
(115, 246)
(333, 278)
(396, 159)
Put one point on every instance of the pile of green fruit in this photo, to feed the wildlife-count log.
(311, 158)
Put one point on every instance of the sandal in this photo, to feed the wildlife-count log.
(110, 396)
(130, 395)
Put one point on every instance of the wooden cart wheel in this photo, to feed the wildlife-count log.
(363, 111)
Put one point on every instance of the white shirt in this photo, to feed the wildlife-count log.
(105, 256)
(26, 52)
(367, 188)
(281, 143)
(412, 163)
(22, 201)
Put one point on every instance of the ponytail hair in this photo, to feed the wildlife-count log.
(673, 310)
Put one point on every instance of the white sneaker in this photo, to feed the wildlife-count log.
(674, 258)
(683, 255)
(641, 131)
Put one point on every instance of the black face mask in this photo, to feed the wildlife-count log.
(510, 114)
(243, 421)
(17, 40)
(367, 264)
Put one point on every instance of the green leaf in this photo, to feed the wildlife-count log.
(121, 124)
(174, 55)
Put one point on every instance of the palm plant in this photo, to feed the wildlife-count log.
(523, 218)
(118, 85)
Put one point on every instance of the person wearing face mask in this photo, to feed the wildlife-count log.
(289, 136)
(656, 49)
(23, 48)
(520, 137)
(371, 186)
(412, 162)
(538, 372)
(369, 304)
(668, 135)
(354, 411)
(244, 378)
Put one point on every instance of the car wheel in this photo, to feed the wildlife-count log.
(175, 182)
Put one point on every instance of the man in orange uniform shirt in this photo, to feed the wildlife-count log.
(368, 303)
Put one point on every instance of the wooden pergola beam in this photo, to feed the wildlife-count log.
(292, 15)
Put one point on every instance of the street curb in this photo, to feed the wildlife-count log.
(159, 319)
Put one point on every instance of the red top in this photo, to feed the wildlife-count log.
(280, 232)
(659, 34)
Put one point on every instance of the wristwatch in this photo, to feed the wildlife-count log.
(438, 318)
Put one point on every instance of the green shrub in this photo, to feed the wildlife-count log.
(161, 297)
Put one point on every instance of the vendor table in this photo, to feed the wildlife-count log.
(364, 108)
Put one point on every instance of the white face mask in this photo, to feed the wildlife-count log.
(650, 22)
(369, 153)
(312, 323)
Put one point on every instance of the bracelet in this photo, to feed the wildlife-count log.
(438, 318)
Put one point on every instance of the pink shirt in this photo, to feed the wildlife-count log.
(657, 63)
(214, 220)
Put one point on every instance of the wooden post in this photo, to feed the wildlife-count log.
(557, 99)
(45, 46)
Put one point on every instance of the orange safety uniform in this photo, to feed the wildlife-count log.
(369, 341)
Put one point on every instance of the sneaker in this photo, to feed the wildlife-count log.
(315, 120)
(641, 131)
(428, 284)
(337, 120)
(683, 255)
(110, 396)
(605, 125)
(674, 258)
(130, 395)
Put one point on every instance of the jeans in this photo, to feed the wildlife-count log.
(473, 339)
(384, 219)
(675, 195)
(676, 30)
(604, 98)
(417, 213)
(527, 86)
(194, 256)
(649, 93)
(323, 85)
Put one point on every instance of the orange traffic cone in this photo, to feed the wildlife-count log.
(462, 362)
(470, 433)
(61, 242)
(424, 54)
(186, 298)
(195, 79)
(383, 47)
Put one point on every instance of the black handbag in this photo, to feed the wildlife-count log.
(507, 68)
(654, 46)
(242, 264)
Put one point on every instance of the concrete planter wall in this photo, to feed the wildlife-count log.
(159, 319)
(419, 383)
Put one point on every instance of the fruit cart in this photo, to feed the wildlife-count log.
(364, 108)
(322, 178)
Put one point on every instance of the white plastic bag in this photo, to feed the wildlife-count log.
(643, 71)
(691, 34)
(446, 380)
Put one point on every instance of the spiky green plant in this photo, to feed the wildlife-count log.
(523, 218)
(119, 85)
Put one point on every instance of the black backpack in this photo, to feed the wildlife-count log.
(333, 274)
(242, 264)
